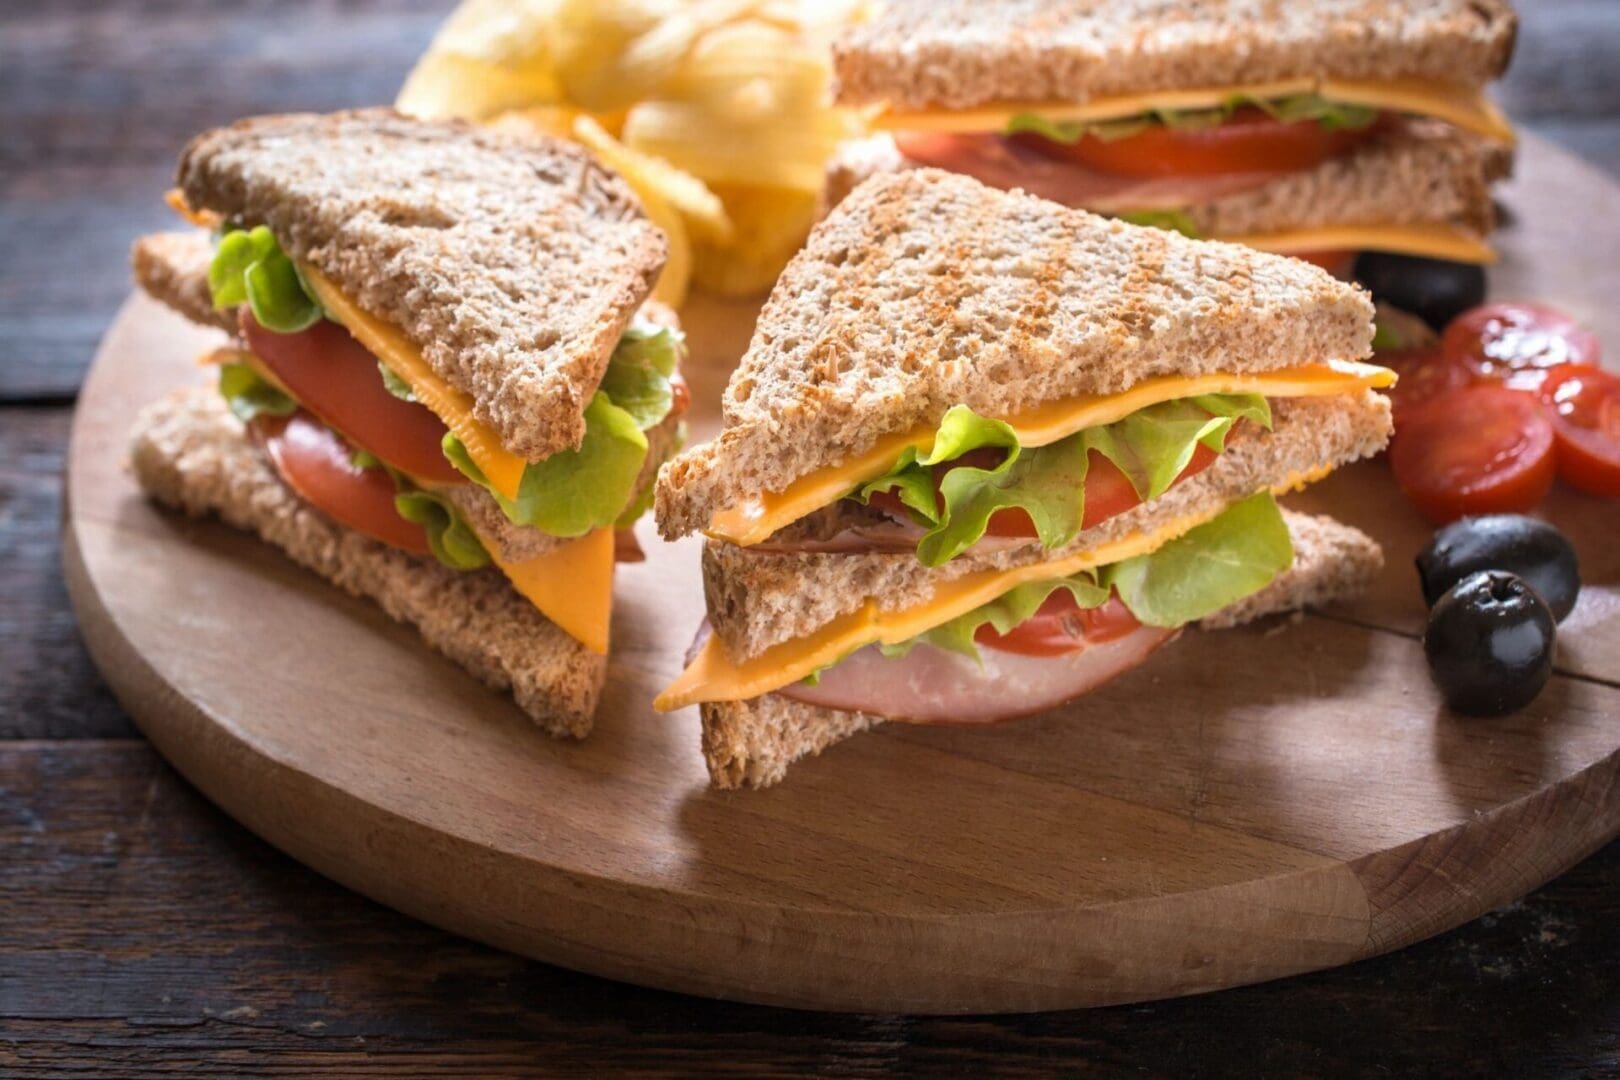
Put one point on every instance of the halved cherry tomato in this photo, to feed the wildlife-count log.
(1515, 343)
(1061, 626)
(680, 395)
(1338, 263)
(1478, 450)
(1248, 141)
(1586, 404)
(1424, 373)
(336, 378)
(317, 464)
(1108, 490)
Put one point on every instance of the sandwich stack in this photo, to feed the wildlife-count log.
(985, 453)
(442, 387)
(1318, 130)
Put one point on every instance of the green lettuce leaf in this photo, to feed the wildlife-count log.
(638, 375)
(1208, 568)
(451, 539)
(572, 492)
(1003, 613)
(1332, 115)
(250, 267)
(394, 384)
(248, 395)
(1169, 220)
(1151, 447)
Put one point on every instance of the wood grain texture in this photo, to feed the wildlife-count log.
(1252, 804)
(268, 969)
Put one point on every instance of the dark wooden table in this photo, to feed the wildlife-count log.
(141, 931)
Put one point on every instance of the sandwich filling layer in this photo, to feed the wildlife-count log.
(760, 517)
(356, 422)
(1182, 570)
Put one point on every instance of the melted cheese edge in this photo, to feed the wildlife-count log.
(758, 518)
(1465, 107)
(712, 676)
(1430, 241)
(502, 468)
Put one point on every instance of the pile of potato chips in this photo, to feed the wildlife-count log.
(716, 111)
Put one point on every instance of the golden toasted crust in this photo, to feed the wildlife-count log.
(756, 600)
(752, 743)
(172, 268)
(190, 453)
(924, 290)
(513, 262)
(1414, 172)
(954, 54)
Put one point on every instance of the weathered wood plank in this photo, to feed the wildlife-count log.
(144, 932)
(48, 687)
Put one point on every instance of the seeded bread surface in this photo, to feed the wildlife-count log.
(756, 599)
(955, 54)
(1418, 172)
(514, 262)
(752, 743)
(924, 290)
(190, 453)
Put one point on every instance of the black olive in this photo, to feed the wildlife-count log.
(1490, 644)
(1434, 290)
(1533, 549)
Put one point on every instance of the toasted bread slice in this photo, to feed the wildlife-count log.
(758, 599)
(512, 262)
(955, 54)
(173, 269)
(1417, 172)
(751, 743)
(925, 290)
(190, 453)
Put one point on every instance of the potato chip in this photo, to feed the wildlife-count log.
(771, 224)
(702, 208)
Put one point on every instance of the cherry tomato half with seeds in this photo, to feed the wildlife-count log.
(1479, 450)
(1585, 401)
(1513, 342)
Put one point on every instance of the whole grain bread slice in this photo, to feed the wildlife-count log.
(190, 453)
(752, 743)
(173, 269)
(512, 261)
(1413, 172)
(925, 290)
(758, 599)
(955, 54)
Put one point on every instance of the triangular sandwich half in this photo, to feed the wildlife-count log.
(1313, 129)
(444, 388)
(985, 452)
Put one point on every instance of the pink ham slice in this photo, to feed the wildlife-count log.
(932, 686)
(1007, 163)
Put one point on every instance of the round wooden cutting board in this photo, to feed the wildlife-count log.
(1251, 804)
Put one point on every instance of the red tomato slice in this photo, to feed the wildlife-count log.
(1246, 142)
(1515, 342)
(1062, 626)
(1425, 373)
(316, 463)
(1586, 404)
(336, 378)
(1479, 450)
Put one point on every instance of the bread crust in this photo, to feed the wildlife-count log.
(1415, 172)
(188, 452)
(956, 54)
(924, 290)
(756, 600)
(172, 268)
(514, 262)
(752, 743)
